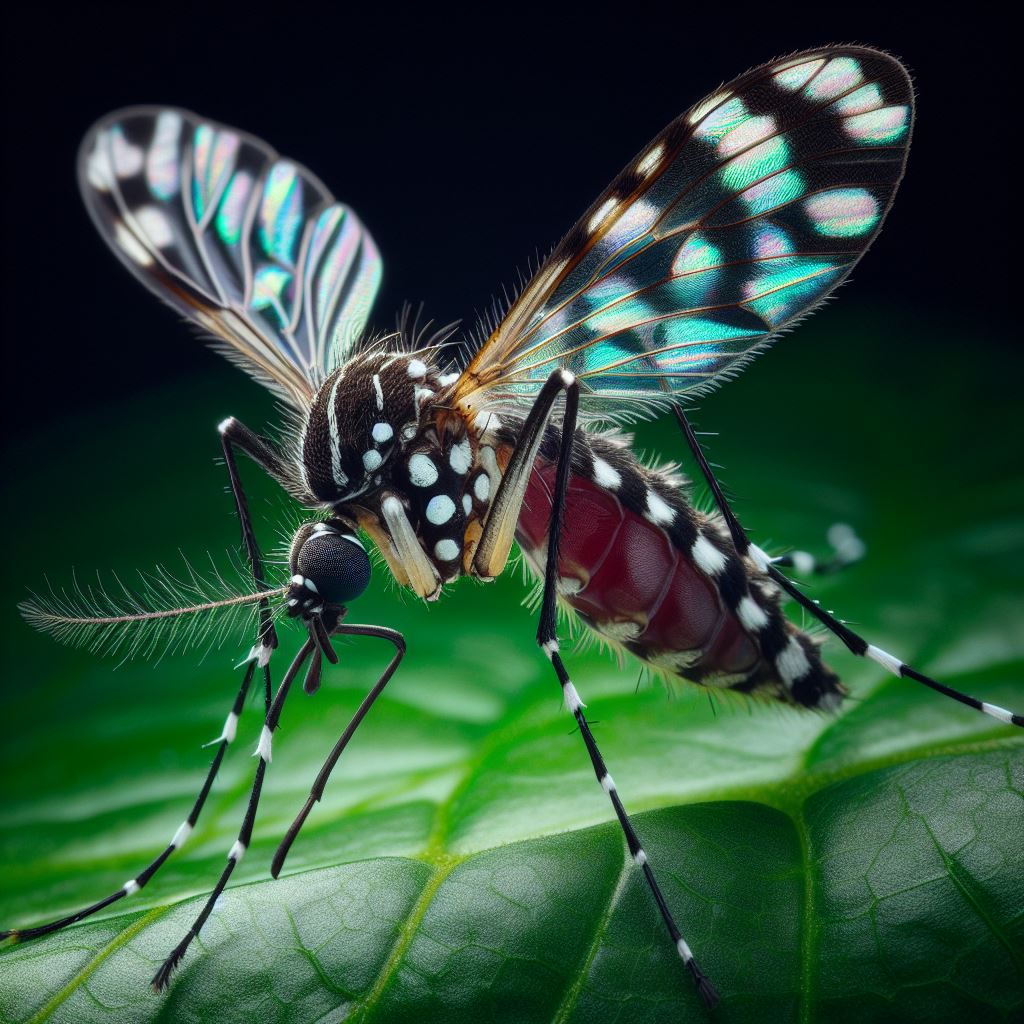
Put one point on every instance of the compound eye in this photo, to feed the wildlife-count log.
(336, 564)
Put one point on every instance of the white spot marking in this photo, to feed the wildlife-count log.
(601, 213)
(640, 858)
(703, 109)
(237, 851)
(422, 471)
(568, 379)
(997, 712)
(482, 487)
(448, 378)
(379, 390)
(298, 579)
(460, 458)
(131, 245)
(420, 395)
(792, 662)
(549, 647)
(98, 170)
(382, 432)
(446, 550)
(440, 509)
(230, 729)
(607, 783)
(132, 887)
(650, 159)
(263, 655)
(310, 585)
(486, 422)
(760, 559)
(751, 615)
(572, 699)
(181, 836)
(417, 369)
(886, 660)
(848, 546)
(569, 585)
(606, 475)
(409, 431)
(660, 511)
(127, 159)
(467, 504)
(265, 745)
(225, 425)
(372, 460)
(707, 557)
(830, 701)
(155, 226)
(803, 562)
(684, 951)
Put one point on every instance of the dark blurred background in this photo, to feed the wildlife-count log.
(466, 143)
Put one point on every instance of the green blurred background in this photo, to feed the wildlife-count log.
(896, 409)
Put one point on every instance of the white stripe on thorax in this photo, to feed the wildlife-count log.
(332, 422)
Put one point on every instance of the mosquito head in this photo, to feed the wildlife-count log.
(329, 567)
(365, 413)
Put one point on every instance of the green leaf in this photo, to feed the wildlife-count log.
(463, 865)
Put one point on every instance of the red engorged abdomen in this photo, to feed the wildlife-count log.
(633, 582)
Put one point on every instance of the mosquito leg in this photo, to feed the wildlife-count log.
(235, 434)
(854, 642)
(847, 548)
(237, 851)
(184, 830)
(317, 791)
(548, 640)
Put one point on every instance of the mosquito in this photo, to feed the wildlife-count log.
(740, 217)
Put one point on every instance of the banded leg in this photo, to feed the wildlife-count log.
(237, 851)
(516, 475)
(317, 791)
(855, 643)
(184, 830)
(847, 548)
(235, 434)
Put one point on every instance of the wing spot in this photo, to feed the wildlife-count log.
(602, 213)
(650, 160)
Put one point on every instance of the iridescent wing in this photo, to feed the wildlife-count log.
(741, 216)
(250, 246)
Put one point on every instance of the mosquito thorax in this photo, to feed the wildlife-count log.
(363, 415)
(329, 565)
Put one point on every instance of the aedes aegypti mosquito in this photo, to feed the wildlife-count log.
(740, 217)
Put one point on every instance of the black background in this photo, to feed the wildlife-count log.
(466, 141)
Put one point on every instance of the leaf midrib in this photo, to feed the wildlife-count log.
(444, 864)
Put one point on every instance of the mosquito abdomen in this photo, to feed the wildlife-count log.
(646, 571)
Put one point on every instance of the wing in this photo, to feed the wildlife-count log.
(741, 216)
(250, 246)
